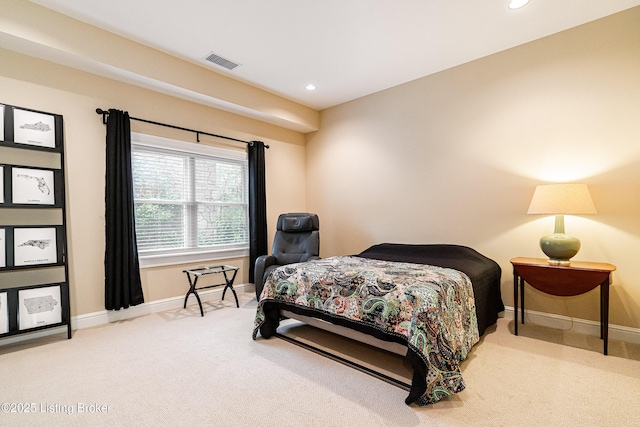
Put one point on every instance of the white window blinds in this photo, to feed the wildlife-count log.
(189, 201)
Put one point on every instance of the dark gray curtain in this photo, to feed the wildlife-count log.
(122, 269)
(257, 205)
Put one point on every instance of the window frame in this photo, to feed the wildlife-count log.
(164, 257)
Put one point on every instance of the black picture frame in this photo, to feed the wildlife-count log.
(3, 196)
(15, 317)
(4, 313)
(27, 186)
(3, 247)
(33, 246)
(13, 132)
(2, 107)
(40, 307)
(25, 251)
(34, 128)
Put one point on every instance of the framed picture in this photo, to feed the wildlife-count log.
(1, 184)
(38, 307)
(35, 246)
(3, 247)
(4, 314)
(32, 186)
(1, 122)
(31, 128)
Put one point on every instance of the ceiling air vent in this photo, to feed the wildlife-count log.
(222, 62)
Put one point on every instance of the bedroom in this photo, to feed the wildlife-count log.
(461, 152)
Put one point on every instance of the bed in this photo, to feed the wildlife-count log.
(432, 302)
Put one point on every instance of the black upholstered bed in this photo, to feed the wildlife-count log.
(435, 300)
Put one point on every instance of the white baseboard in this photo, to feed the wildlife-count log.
(581, 326)
(103, 317)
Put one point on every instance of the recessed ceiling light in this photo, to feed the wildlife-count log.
(517, 4)
(311, 87)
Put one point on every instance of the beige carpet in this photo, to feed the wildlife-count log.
(177, 368)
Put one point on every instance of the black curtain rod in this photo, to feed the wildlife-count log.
(197, 132)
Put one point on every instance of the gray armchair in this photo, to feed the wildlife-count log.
(297, 239)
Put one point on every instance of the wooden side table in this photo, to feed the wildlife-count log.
(563, 280)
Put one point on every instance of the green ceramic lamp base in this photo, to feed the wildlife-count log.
(559, 247)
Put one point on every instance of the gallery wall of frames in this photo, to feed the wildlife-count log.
(34, 285)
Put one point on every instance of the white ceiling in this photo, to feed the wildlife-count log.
(348, 48)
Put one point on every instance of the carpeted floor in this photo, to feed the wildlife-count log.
(177, 368)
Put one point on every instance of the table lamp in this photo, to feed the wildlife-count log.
(558, 200)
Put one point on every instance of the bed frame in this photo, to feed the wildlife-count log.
(390, 346)
(484, 274)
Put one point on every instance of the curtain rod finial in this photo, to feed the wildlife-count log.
(104, 115)
(253, 142)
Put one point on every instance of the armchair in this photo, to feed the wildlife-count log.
(297, 239)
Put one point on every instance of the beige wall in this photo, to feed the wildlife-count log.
(452, 157)
(41, 85)
(455, 157)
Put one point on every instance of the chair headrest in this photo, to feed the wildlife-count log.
(298, 222)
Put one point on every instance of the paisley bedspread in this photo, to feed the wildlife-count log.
(430, 308)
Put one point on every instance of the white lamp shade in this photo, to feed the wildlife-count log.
(562, 199)
(516, 4)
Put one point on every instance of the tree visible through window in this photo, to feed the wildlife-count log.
(189, 201)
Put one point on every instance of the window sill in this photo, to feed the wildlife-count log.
(149, 261)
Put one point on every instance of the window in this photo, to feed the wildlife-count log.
(191, 201)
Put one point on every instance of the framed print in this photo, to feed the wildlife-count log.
(1, 184)
(1, 122)
(39, 307)
(32, 186)
(4, 313)
(33, 128)
(35, 246)
(3, 247)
